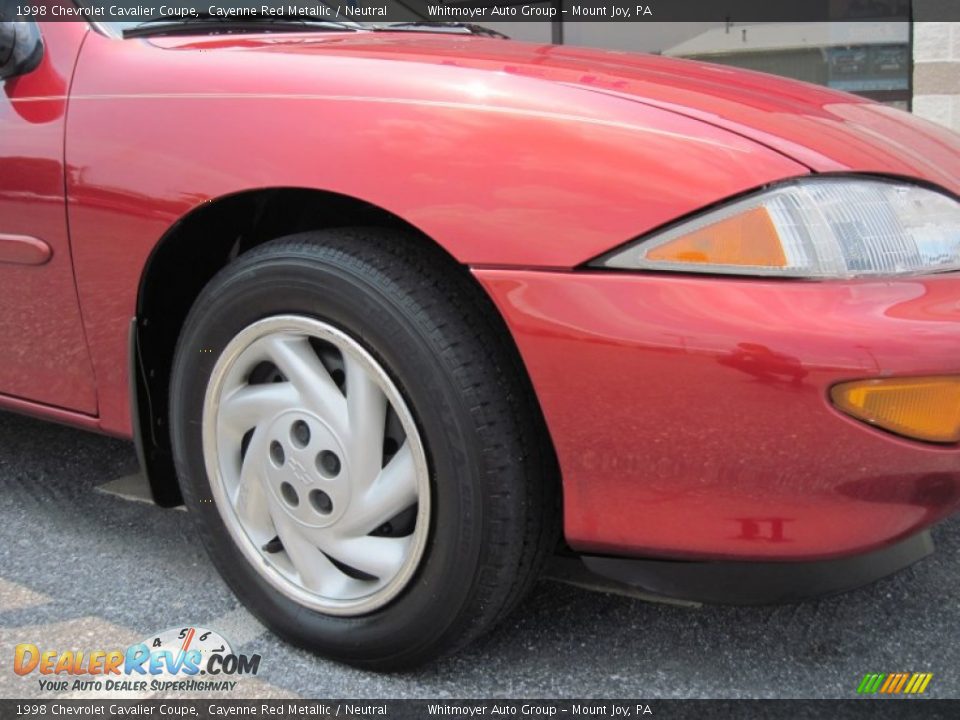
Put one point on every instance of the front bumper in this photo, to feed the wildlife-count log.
(691, 415)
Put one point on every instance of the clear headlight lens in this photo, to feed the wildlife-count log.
(810, 228)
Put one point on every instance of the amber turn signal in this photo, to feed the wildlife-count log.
(922, 408)
(749, 238)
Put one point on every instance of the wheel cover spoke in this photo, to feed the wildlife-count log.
(250, 496)
(379, 557)
(366, 410)
(309, 467)
(394, 490)
(303, 369)
(248, 406)
(313, 568)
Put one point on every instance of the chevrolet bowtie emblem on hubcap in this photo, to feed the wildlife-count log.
(299, 472)
(305, 467)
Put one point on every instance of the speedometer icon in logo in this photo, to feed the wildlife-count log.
(189, 650)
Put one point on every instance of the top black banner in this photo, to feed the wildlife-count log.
(480, 11)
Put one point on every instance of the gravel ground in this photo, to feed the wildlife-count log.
(80, 567)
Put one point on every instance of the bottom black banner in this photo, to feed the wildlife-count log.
(497, 709)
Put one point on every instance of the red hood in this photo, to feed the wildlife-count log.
(823, 129)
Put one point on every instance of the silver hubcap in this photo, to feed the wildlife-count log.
(316, 465)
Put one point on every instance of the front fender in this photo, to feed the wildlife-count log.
(500, 170)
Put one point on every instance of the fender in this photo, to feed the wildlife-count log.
(497, 168)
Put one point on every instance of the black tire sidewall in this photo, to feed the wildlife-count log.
(352, 297)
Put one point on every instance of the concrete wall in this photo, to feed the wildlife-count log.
(936, 52)
(936, 72)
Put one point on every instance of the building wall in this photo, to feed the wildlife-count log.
(936, 52)
(936, 72)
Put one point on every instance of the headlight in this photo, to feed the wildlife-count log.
(810, 228)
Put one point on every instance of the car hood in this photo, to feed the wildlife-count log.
(825, 130)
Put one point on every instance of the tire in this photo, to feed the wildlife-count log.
(456, 397)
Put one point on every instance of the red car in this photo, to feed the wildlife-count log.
(391, 308)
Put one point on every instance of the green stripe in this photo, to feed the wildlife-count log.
(871, 683)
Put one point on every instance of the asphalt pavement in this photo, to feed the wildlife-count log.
(83, 567)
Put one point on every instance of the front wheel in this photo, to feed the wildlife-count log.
(354, 434)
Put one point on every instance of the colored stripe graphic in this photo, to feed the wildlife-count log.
(894, 683)
(901, 681)
(891, 681)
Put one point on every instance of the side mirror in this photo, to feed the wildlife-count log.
(21, 48)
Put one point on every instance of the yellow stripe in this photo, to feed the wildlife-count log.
(888, 683)
(926, 681)
(914, 682)
(903, 679)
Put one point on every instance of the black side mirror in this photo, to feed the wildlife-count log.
(21, 48)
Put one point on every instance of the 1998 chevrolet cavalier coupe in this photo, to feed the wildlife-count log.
(391, 310)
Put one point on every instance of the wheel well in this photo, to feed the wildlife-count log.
(184, 261)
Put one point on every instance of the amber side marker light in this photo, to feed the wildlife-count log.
(921, 408)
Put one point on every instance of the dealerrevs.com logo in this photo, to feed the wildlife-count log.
(173, 660)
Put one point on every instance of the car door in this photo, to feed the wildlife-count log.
(43, 353)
